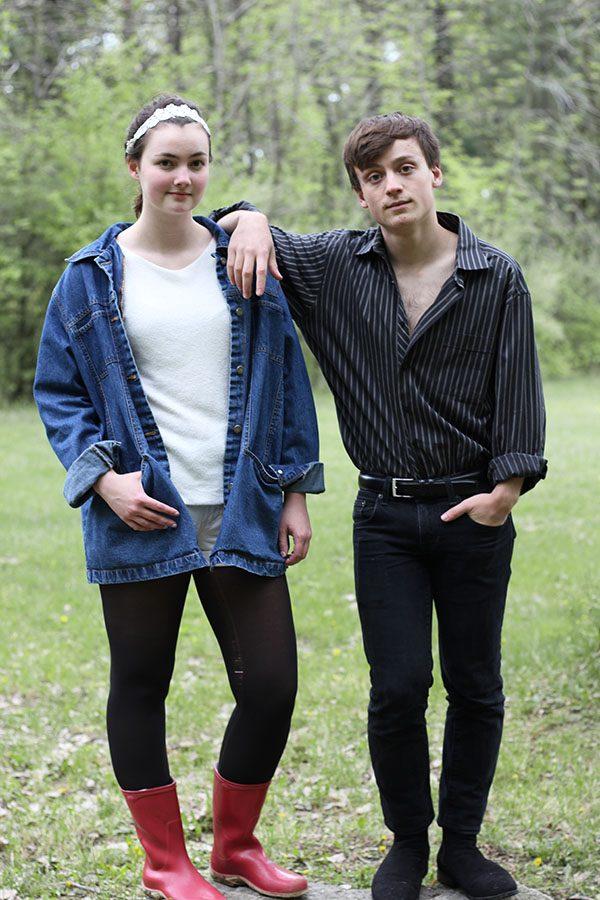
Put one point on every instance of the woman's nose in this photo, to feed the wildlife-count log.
(182, 176)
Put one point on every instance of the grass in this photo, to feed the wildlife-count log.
(64, 830)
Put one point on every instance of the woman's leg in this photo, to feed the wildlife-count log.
(142, 622)
(251, 617)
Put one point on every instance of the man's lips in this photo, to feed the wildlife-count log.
(398, 204)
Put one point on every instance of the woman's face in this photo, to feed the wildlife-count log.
(173, 170)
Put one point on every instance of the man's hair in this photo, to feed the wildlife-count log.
(372, 136)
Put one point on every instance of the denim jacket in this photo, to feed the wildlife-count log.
(97, 417)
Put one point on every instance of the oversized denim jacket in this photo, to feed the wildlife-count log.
(97, 417)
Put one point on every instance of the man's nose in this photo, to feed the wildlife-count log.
(393, 183)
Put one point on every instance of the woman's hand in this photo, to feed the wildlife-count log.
(294, 523)
(128, 499)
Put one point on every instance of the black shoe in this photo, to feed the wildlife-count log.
(400, 874)
(461, 865)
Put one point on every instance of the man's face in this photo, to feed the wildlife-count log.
(397, 188)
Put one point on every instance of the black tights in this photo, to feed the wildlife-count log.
(252, 620)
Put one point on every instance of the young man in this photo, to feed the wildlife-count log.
(425, 336)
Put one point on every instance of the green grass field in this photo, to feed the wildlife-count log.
(64, 830)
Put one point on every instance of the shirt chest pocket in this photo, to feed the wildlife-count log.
(268, 334)
(467, 351)
(90, 330)
(467, 360)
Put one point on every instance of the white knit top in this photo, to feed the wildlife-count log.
(178, 324)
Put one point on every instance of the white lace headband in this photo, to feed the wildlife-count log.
(172, 111)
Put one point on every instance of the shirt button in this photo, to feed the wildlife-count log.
(230, 485)
(239, 311)
(237, 429)
(240, 370)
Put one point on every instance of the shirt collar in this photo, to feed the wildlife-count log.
(469, 255)
(102, 245)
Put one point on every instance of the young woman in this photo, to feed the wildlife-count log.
(184, 417)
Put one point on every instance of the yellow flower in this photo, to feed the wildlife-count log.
(537, 861)
(64, 619)
(336, 651)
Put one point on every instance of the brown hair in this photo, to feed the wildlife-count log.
(145, 112)
(372, 136)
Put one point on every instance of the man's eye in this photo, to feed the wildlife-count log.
(406, 170)
(374, 177)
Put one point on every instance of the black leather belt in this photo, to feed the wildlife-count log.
(463, 485)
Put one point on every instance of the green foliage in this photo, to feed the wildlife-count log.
(511, 89)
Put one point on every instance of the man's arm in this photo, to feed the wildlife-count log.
(519, 420)
(300, 260)
(251, 248)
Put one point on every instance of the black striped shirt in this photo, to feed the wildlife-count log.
(461, 393)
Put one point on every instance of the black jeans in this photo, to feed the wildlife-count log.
(406, 560)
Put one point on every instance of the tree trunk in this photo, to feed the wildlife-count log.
(443, 52)
(216, 45)
(174, 25)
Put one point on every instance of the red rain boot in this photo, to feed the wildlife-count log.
(168, 870)
(237, 856)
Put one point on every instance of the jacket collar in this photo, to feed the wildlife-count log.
(106, 240)
(469, 253)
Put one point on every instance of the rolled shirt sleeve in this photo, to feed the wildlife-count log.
(518, 427)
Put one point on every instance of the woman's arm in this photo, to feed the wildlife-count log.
(78, 437)
(295, 524)
(72, 424)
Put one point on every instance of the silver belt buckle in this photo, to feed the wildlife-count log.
(396, 487)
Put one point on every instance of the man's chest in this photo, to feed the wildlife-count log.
(365, 325)
(420, 290)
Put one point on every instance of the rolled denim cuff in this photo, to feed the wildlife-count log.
(311, 482)
(83, 473)
(518, 465)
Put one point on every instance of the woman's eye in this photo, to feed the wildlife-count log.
(165, 163)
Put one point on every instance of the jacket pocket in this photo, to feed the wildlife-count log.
(90, 331)
(251, 522)
(280, 474)
(111, 544)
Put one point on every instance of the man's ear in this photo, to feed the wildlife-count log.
(360, 198)
(438, 177)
